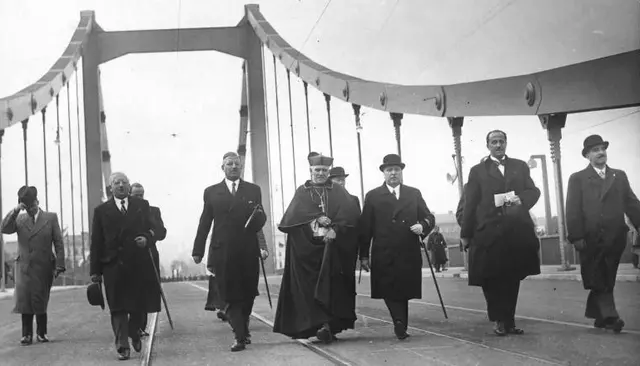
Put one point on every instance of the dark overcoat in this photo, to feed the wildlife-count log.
(234, 250)
(396, 257)
(152, 289)
(438, 246)
(115, 255)
(595, 212)
(36, 261)
(503, 242)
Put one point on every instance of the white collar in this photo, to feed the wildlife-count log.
(229, 184)
(396, 189)
(603, 170)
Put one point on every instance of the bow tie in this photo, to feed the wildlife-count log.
(499, 162)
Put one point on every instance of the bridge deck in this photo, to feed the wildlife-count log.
(550, 312)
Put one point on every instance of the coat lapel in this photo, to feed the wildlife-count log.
(40, 223)
(493, 171)
(610, 177)
(403, 201)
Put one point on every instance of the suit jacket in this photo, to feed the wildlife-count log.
(504, 239)
(36, 262)
(396, 258)
(595, 212)
(234, 250)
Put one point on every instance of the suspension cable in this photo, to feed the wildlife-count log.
(356, 113)
(293, 143)
(24, 139)
(80, 171)
(73, 216)
(44, 144)
(275, 78)
(59, 142)
(306, 102)
(3, 273)
(327, 99)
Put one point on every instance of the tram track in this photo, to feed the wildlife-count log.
(339, 360)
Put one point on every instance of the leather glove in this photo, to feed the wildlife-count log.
(96, 278)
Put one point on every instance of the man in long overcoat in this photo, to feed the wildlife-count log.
(36, 265)
(437, 247)
(213, 295)
(234, 250)
(317, 293)
(152, 289)
(496, 221)
(394, 218)
(598, 197)
(120, 232)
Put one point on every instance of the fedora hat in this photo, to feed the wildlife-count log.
(337, 172)
(27, 195)
(94, 294)
(391, 160)
(592, 141)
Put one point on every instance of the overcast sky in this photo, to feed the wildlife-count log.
(196, 96)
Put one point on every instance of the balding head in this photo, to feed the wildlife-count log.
(119, 183)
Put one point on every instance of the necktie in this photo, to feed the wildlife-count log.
(233, 188)
(601, 174)
(395, 194)
(123, 208)
(33, 219)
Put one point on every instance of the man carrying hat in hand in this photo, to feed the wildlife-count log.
(598, 197)
(394, 217)
(36, 265)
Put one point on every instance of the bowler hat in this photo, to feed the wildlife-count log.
(592, 141)
(27, 195)
(337, 172)
(94, 294)
(391, 160)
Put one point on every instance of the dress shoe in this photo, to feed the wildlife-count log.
(247, 340)
(615, 325)
(238, 346)
(124, 354)
(143, 333)
(514, 330)
(499, 329)
(137, 344)
(599, 323)
(42, 338)
(324, 334)
(26, 340)
(222, 316)
(400, 330)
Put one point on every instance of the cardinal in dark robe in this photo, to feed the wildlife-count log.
(317, 294)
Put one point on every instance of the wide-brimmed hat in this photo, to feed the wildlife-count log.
(391, 160)
(27, 195)
(592, 141)
(337, 172)
(94, 294)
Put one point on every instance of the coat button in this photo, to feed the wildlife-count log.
(393, 221)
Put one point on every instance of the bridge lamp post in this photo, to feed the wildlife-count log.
(545, 182)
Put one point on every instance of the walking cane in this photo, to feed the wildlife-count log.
(434, 277)
(264, 273)
(164, 299)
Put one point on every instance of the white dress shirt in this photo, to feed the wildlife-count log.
(229, 184)
(500, 166)
(601, 172)
(118, 202)
(396, 189)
